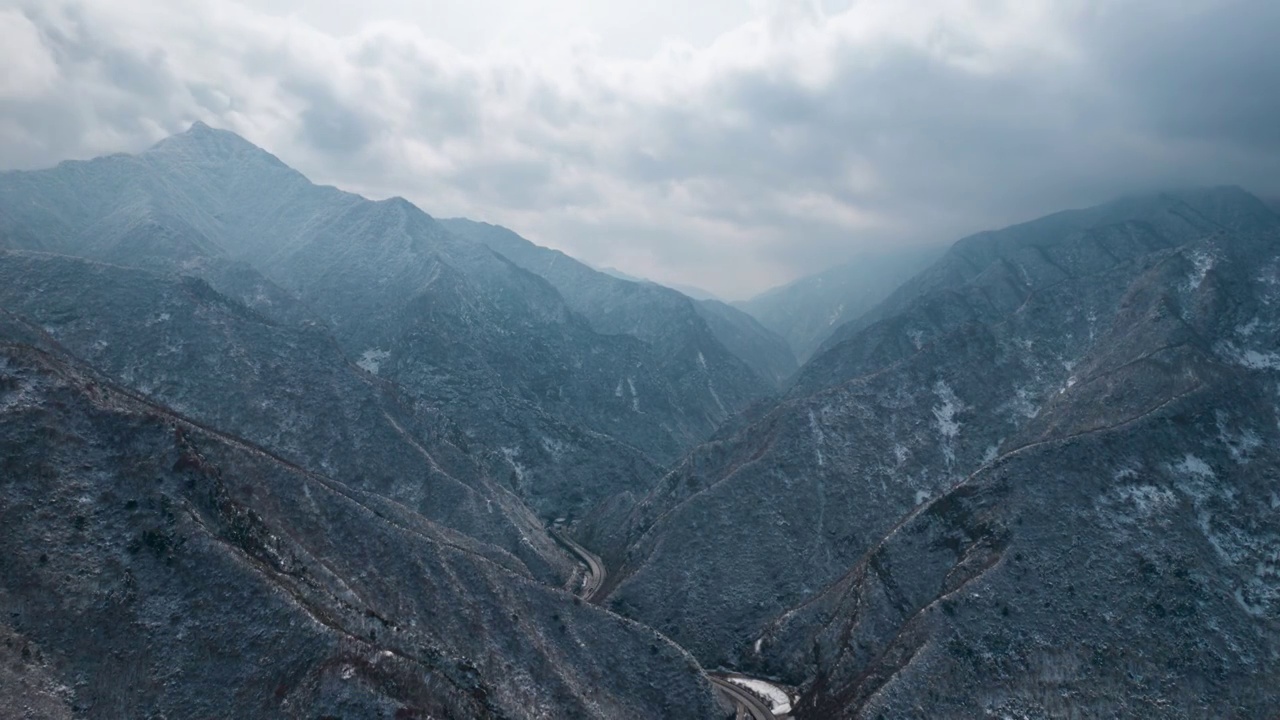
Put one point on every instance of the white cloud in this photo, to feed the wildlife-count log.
(28, 67)
(732, 158)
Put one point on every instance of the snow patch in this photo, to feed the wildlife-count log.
(921, 496)
(945, 414)
(1240, 445)
(1252, 359)
(901, 453)
(1146, 500)
(1194, 466)
(1202, 263)
(371, 360)
(716, 396)
(1023, 404)
(555, 448)
(945, 417)
(917, 338)
(818, 437)
(1260, 361)
(779, 701)
(702, 360)
(835, 315)
(635, 397)
(1125, 473)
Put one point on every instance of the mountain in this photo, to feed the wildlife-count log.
(808, 310)
(565, 414)
(694, 339)
(1037, 480)
(313, 439)
(154, 566)
(286, 386)
(696, 293)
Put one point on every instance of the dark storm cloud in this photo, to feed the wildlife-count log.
(1214, 77)
(786, 146)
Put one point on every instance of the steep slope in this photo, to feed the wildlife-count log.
(765, 351)
(154, 567)
(570, 415)
(287, 387)
(693, 339)
(1045, 395)
(807, 311)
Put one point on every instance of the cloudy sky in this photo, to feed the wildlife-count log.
(729, 144)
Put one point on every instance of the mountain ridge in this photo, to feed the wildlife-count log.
(1152, 316)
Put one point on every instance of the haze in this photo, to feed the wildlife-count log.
(733, 146)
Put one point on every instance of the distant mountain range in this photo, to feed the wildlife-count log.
(696, 293)
(690, 335)
(807, 311)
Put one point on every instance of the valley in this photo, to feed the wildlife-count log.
(272, 449)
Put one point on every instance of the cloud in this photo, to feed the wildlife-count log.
(787, 144)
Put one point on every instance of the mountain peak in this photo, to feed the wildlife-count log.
(202, 142)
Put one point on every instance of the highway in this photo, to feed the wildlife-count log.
(596, 573)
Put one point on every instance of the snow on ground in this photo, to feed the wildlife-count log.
(1203, 263)
(945, 414)
(511, 454)
(819, 437)
(714, 396)
(372, 359)
(779, 701)
(835, 315)
(1252, 359)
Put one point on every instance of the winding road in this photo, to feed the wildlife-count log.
(592, 584)
(749, 706)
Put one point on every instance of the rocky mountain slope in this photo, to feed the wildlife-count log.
(310, 442)
(565, 414)
(807, 311)
(155, 567)
(1039, 479)
(288, 387)
(694, 339)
